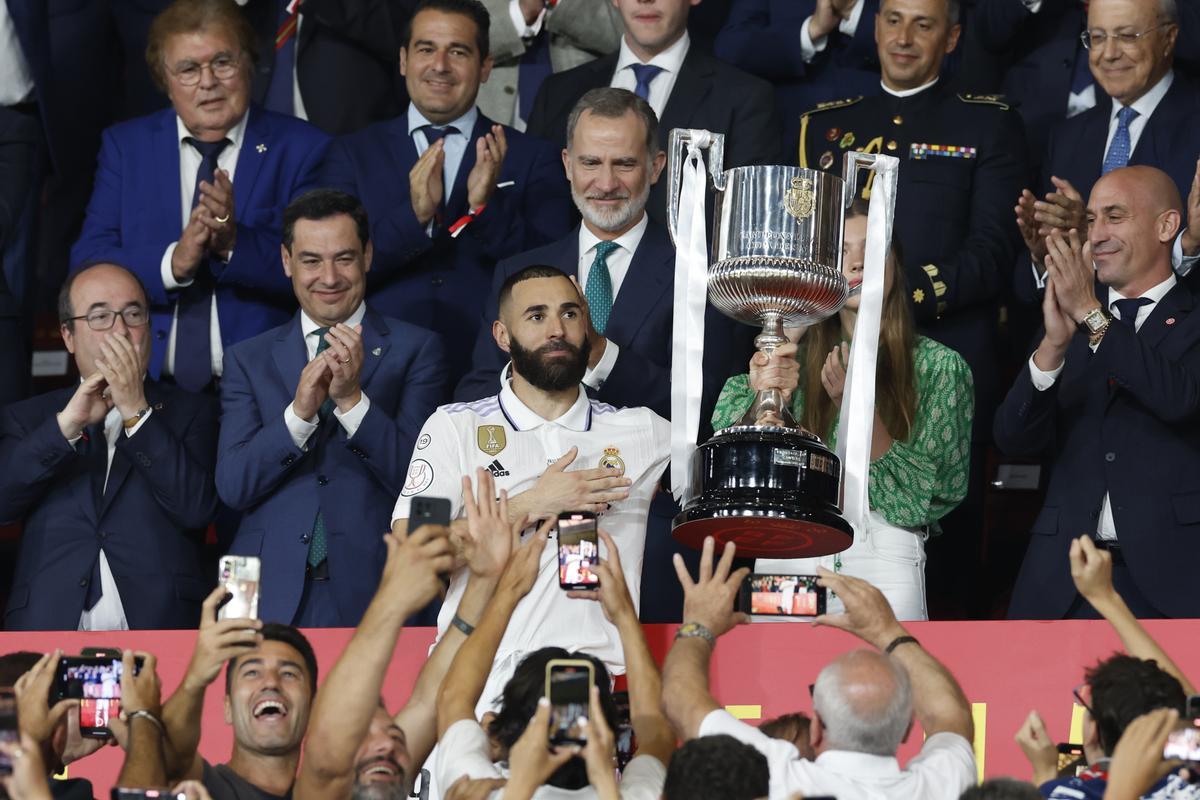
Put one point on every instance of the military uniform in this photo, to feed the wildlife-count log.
(963, 163)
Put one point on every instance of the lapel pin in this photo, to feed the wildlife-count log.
(262, 148)
(1170, 320)
(379, 351)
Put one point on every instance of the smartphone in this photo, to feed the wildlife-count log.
(96, 682)
(9, 732)
(119, 793)
(626, 738)
(428, 511)
(1192, 709)
(1071, 760)
(781, 595)
(1183, 744)
(568, 686)
(578, 550)
(240, 576)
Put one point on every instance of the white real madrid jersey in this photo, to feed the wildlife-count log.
(502, 435)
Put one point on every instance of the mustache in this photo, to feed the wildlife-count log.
(616, 195)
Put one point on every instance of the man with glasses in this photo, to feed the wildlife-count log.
(111, 479)
(191, 198)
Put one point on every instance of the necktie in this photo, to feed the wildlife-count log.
(599, 291)
(1119, 150)
(644, 74)
(1128, 310)
(322, 346)
(318, 545)
(280, 94)
(193, 350)
(434, 133)
(534, 68)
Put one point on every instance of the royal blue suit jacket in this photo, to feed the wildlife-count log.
(438, 282)
(1124, 420)
(159, 499)
(135, 214)
(354, 481)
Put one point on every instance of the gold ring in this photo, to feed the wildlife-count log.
(223, 219)
(347, 361)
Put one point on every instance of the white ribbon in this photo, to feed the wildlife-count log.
(687, 327)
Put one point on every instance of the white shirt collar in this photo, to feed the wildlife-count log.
(577, 418)
(671, 59)
(309, 327)
(235, 135)
(908, 92)
(629, 240)
(465, 123)
(1153, 294)
(1146, 104)
(850, 763)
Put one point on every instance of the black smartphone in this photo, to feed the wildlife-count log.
(9, 731)
(626, 738)
(568, 686)
(578, 550)
(119, 793)
(1192, 709)
(96, 682)
(428, 511)
(781, 595)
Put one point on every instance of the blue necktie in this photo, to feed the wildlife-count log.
(1119, 150)
(193, 350)
(599, 291)
(534, 68)
(644, 74)
(280, 92)
(1128, 307)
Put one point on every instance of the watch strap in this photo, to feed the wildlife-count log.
(694, 630)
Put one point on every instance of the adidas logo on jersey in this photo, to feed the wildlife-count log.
(497, 469)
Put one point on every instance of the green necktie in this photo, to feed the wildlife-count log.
(599, 291)
(318, 545)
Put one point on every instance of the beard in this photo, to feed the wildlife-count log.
(550, 375)
(611, 219)
(379, 791)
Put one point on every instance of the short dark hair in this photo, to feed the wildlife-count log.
(472, 9)
(612, 103)
(14, 665)
(278, 632)
(66, 310)
(787, 727)
(518, 703)
(318, 204)
(717, 768)
(1123, 689)
(1002, 789)
(526, 274)
(190, 16)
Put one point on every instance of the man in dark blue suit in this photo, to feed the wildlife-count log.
(449, 191)
(625, 263)
(319, 417)
(191, 198)
(1112, 393)
(112, 479)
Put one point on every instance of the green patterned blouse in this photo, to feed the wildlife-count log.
(918, 481)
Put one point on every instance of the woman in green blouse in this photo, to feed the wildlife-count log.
(920, 447)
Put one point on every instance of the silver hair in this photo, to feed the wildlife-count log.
(874, 731)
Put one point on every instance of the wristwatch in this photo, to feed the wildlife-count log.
(694, 630)
(1094, 321)
(136, 418)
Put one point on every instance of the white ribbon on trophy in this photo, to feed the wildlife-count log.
(687, 327)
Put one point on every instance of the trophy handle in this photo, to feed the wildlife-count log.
(853, 163)
(676, 154)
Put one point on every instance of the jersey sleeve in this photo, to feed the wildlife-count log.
(435, 469)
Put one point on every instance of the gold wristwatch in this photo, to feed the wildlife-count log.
(694, 630)
(1094, 324)
(136, 418)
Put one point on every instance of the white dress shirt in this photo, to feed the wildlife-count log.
(108, 614)
(907, 92)
(671, 61)
(1145, 106)
(302, 429)
(618, 262)
(1043, 380)
(189, 163)
(16, 78)
(809, 47)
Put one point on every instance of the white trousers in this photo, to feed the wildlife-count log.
(891, 558)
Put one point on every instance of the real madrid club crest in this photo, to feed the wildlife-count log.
(612, 460)
(491, 438)
(798, 200)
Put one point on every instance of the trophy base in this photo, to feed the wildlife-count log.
(762, 530)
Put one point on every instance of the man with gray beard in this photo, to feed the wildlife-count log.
(625, 264)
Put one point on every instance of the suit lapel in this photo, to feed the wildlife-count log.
(403, 149)
(166, 155)
(692, 86)
(289, 354)
(121, 466)
(649, 278)
(1167, 313)
(255, 144)
(376, 341)
(1092, 146)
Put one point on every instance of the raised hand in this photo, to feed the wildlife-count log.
(776, 371)
(1063, 209)
(192, 246)
(488, 539)
(426, 186)
(1035, 240)
(593, 489)
(613, 594)
(345, 359)
(1038, 747)
(490, 150)
(414, 565)
(868, 614)
(122, 366)
(312, 388)
(1069, 265)
(1091, 569)
(216, 199)
(833, 372)
(709, 600)
(87, 406)
(218, 641)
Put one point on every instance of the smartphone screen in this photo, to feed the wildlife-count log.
(240, 575)
(1070, 759)
(578, 550)
(568, 685)
(96, 682)
(428, 511)
(1183, 744)
(9, 732)
(782, 595)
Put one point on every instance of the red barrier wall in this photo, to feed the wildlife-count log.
(1006, 669)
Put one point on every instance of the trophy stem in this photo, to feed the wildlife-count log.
(769, 407)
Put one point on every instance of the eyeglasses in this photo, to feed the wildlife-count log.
(104, 319)
(1095, 40)
(1077, 693)
(223, 68)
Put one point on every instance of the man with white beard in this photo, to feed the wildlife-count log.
(625, 264)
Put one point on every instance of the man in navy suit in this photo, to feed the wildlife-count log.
(626, 265)
(112, 479)
(318, 422)
(190, 198)
(1113, 393)
(449, 191)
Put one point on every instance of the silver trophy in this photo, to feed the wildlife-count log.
(776, 261)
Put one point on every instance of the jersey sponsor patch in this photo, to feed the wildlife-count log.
(491, 439)
(420, 477)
